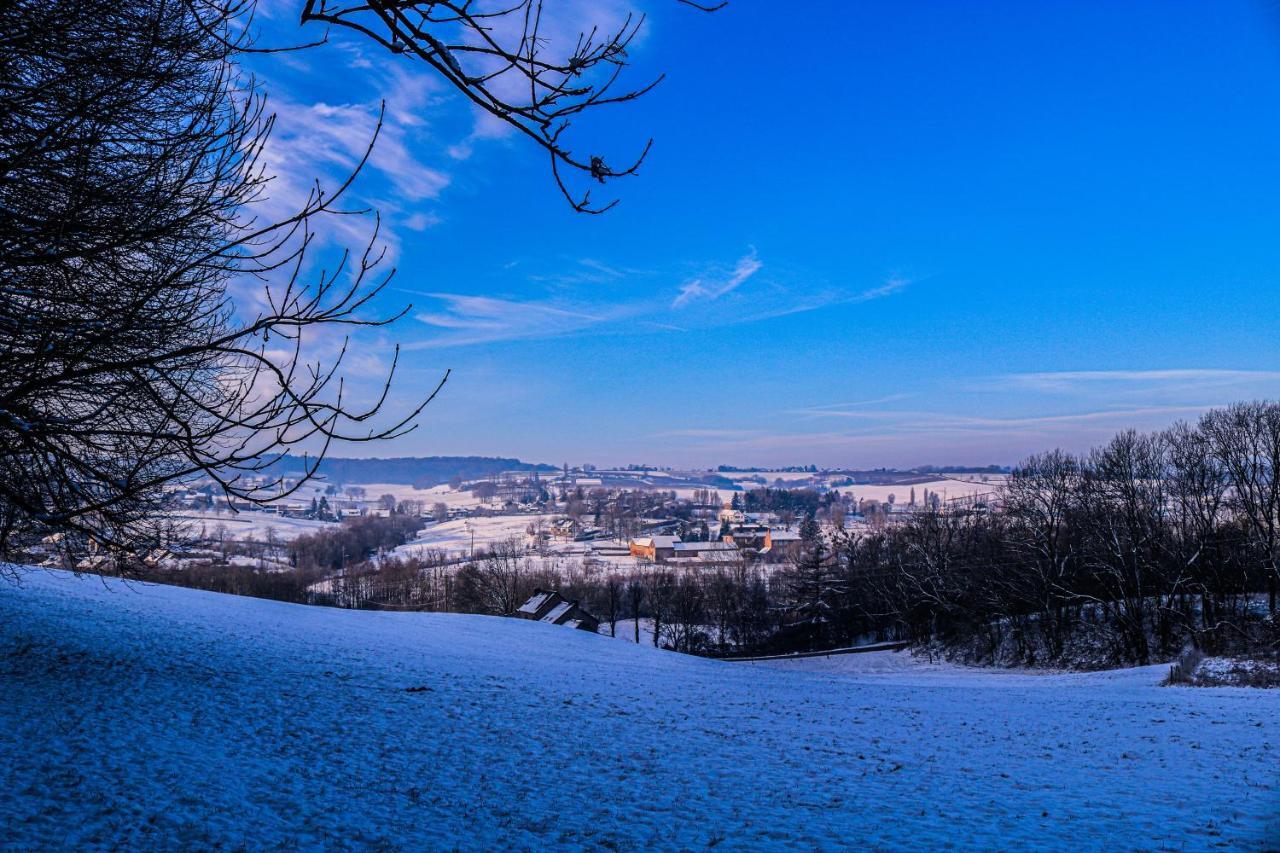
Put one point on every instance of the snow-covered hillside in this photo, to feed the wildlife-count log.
(142, 716)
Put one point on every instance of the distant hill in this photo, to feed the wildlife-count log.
(417, 470)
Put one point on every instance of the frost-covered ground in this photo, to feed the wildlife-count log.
(247, 525)
(456, 537)
(153, 717)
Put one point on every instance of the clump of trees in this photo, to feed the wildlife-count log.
(1122, 554)
(353, 541)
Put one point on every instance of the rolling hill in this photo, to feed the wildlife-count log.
(141, 716)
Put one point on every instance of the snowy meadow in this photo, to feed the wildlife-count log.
(155, 717)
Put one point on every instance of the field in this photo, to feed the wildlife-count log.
(152, 717)
(254, 526)
(456, 537)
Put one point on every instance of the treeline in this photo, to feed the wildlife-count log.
(796, 502)
(425, 471)
(1124, 554)
(699, 611)
(354, 541)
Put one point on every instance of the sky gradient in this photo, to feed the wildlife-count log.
(885, 234)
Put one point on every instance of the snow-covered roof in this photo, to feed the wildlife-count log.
(695, 547)
(657, 541)
(558, 611)
(534, 604)
(784, 536)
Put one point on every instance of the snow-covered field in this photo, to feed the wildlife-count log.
(152, 717)
(247, 525)
(457, 536)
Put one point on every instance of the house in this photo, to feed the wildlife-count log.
(551, 607)
(781, 545)
(94, 563)
(564, 528)
(656, 549)
(160, 558)
(749, 536)
(705, 554)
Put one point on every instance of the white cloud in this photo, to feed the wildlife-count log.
(707, 289)
(890, 287)
(1071, 380)
(484, 319)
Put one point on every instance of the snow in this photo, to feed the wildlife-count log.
(456, 537)
(248, 525)
(532, 605)
(139, 716)
(556, 612)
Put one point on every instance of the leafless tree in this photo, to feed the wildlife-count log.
(636, 595)
(613, 588)
(1038, 499)
(500, 57)
(1245, 440)
(130, 149)
(501, 579)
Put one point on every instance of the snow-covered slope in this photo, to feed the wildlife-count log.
(143, 716)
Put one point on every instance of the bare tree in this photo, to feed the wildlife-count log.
(129, 170)
(613, 588)
(502, 60)
(1039, 498)
(1245, 439)
(636, 593)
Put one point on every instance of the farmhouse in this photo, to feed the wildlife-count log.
(564, 528)
(749, 536)
(656, 549)
(781, 545)
(705, 554)
(551, 607)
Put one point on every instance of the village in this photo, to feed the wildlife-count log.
(620, 519)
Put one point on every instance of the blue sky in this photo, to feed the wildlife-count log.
(892, 233)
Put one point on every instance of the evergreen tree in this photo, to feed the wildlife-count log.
(813, 585)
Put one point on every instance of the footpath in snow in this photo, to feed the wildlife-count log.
(140, 716)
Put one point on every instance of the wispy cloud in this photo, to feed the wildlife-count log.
(1073, 380)
(710, 289)
(899, 420)
(890, 287)
(586, 295)
(467, 320)
(704, 433)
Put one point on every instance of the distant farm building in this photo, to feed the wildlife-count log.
(781, 545)
(749, 536)
(551, 607)
(564, 528)
(656, 549)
